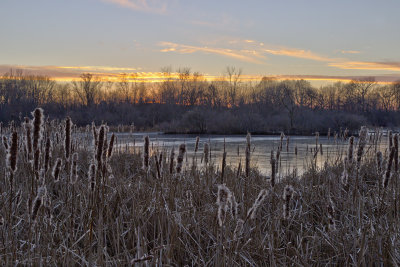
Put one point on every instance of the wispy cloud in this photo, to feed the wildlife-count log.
(151, 6)
(350, 52)
(298, 53)
(247, 55)
(364, 65)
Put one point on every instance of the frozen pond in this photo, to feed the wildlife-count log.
(235, 145)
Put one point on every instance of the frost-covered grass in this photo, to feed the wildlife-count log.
(149, 217)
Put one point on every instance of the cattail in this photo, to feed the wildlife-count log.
(92, 176)
(278, 154)
(28, 137)
(233, 206)
(238, 229)
(396, 151)
(260, 199)
(100, 144)
(331, 215)
(37, 127)
(345, 175)
(74, 169)
(110, 146)
(281, 141)
(350, 150)
(67, 140)
(56, 169)
(316, 140)
(36, 159)
(5, 142)
(329, 133)
(379, 160)
(320, 149)
(47, 154)
(362, 141)
(273, 171)
(388, 167)
(12, 153)
(37, 203)
(223, 198)
(295, 150)
(390, 139)
(206, 153)
(171, 161)
(196, 147)
(223, 166)
(157, 166)
(182, 150)
(248, 147)
(287, 196)
(146, 152)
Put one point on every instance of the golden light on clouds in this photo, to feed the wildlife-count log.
(361, 65)
(243, 55)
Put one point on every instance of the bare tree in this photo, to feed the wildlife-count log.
(233, 76)
(87, 88)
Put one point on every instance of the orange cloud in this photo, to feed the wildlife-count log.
(244, 55)
(298, 53)
(362, 65)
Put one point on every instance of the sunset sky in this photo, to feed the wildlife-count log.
(312, 39)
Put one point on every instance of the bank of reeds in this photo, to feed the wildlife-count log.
(118, 208)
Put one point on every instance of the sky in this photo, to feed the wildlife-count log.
(317, 40)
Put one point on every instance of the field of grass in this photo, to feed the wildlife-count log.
(67, 199)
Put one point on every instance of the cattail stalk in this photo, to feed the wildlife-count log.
(260, 199)
(57, 169)
(182, 150)
(388, 168)
(146, 151)
(67, 140)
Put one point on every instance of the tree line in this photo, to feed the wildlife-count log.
(185, 101)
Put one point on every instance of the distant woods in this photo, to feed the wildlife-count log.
(184, 101)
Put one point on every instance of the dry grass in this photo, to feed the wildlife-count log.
(135, 216)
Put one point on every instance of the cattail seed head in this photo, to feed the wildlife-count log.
(206, 151)
(57, 169)
(110, 146)
(287, 196)
(74, 169)
(182, 151)
(350, 149)
(238, 229)
(362, 141)
(146, 152)
(67, 138)
(37, 203)
(12, 153)
(37, 127)
(388, 168)
(100, 144)
(47, 154)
